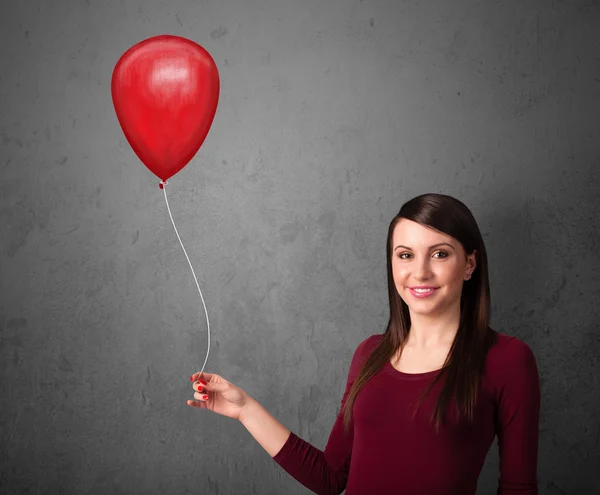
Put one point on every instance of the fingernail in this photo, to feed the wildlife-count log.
(200, 389)
(205, 397)
(192, 378)
(202, 382)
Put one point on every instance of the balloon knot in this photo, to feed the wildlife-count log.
(162, 184)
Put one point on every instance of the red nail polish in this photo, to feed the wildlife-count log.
(192, 378)
(200, 389)
(202, 382)
(205, 397)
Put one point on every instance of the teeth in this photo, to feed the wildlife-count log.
(422, 290)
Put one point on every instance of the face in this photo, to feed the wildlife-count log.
(422, 256)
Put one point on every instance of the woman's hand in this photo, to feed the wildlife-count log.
(217, 394)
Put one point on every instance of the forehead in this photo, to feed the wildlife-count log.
(417, 236)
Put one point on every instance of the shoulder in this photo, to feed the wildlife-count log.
(509, 356)
(366, 347)
(364, 350)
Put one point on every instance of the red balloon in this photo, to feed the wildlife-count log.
(165, 91)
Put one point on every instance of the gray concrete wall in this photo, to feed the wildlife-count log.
(332, 114)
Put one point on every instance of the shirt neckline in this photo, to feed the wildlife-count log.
(409, 376)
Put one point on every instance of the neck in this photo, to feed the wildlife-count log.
(428, 332)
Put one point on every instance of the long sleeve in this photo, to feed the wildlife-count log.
(517, 420)
(325, 472)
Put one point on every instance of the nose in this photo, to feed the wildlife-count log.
(422, 270)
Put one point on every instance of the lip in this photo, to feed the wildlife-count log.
(422, 296)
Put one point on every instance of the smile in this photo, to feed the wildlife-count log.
(420, 293)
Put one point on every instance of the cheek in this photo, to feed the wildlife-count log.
(399, 273)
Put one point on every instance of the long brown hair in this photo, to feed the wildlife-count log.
(465, 363)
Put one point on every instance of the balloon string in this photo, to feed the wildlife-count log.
(162, 186)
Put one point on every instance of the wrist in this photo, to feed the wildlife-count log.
(247, 408)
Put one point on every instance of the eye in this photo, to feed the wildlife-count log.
(438, 252)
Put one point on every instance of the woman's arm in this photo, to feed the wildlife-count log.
(265, 429)
(518, 418)
(323, 472)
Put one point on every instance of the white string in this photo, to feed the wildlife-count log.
(164, 188)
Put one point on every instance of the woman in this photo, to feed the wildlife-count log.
(423, 400)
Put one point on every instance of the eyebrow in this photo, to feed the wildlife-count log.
(430, 247)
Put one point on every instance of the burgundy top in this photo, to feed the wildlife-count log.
(385, 453)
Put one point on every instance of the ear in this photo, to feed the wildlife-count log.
(472, 260)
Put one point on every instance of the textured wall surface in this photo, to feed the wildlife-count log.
(332, 114)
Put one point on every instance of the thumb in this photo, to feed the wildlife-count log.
(211, 382)
(205, 377)
(216, 384)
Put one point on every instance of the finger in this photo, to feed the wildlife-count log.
(198, 387)
(204, 376)
(196, 403)
(201, 396)
(212, 383)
